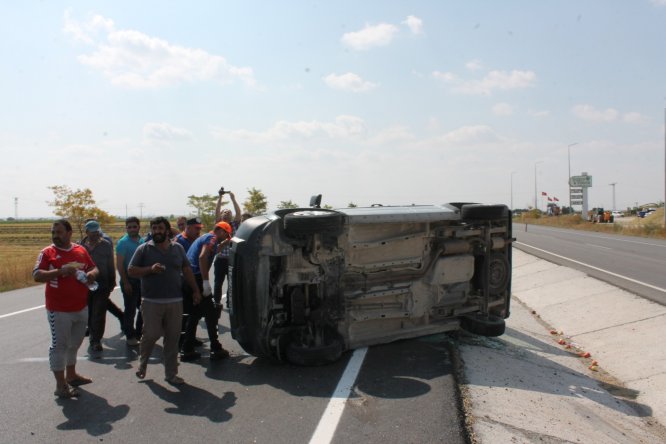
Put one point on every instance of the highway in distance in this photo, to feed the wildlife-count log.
(635, 264)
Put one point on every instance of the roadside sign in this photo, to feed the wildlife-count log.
(580, 181)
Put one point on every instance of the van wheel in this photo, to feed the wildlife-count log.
(303, 222)
(484, 212)
(499, 272)
(313, 356)
(483, 326)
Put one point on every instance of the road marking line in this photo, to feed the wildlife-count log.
(663, 290)
(331, 417)
(21, 311)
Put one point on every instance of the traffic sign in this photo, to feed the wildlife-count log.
(581, 181)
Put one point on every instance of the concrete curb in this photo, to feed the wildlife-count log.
(526, 387)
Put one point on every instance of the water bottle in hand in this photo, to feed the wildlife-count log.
(81, 277)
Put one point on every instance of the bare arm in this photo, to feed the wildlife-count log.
(204, 261)
(189, 278)
(138, 272)
(218, 208)
(237, 210)
(49, 275)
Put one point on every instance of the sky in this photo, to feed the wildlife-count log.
(373, 102)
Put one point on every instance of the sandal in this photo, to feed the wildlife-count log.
(79, 380)
(175, 380)
(66, 392)
(141, 373)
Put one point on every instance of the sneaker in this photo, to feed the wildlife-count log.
(189, 356)
(132, 342)
(96, 347)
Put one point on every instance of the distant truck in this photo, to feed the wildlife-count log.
(599, 215)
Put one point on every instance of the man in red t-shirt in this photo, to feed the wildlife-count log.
(66, 303)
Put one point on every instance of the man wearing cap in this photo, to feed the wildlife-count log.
(101, 252)
(192, 231)
(201, 255)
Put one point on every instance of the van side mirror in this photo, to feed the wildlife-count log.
(315, 201)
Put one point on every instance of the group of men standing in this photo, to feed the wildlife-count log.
(165, 277)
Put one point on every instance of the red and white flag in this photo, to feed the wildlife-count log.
(556, 199)
(550, 200)
(543, 193)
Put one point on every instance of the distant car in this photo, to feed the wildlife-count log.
(618, 214)
(307, 284)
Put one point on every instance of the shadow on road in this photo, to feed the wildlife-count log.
(193, 401)
(91, 413)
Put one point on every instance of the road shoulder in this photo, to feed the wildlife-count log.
(526, 387)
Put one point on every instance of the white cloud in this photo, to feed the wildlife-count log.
(588, 112)
(415, 24)
(348, 82)
(470, 135)
(494, 80)
(503, 109)
(474, 65)
(163, 132)
(658, 2)
(133, 59)
(539, 113)
(343, 127)
(444, 76)
(370, 36)
(498, 80)
(634, 117)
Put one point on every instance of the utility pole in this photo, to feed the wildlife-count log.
(16, 208)
(141, 210)
(535, 183)
(613, 185)
(512, 173)
(569, 159)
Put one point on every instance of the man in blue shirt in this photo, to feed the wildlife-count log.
(200, 256)
(130, 287)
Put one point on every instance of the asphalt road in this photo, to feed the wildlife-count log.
(404, 392)
(635, 264)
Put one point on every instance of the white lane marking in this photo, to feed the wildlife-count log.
(331, 417)
(598, 246)
(21, 311)
(663, 290)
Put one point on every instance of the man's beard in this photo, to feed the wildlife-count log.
(159, 237)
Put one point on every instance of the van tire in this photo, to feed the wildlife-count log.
(306, 222)
(484, 212)
(478, 324)
(314, 356)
